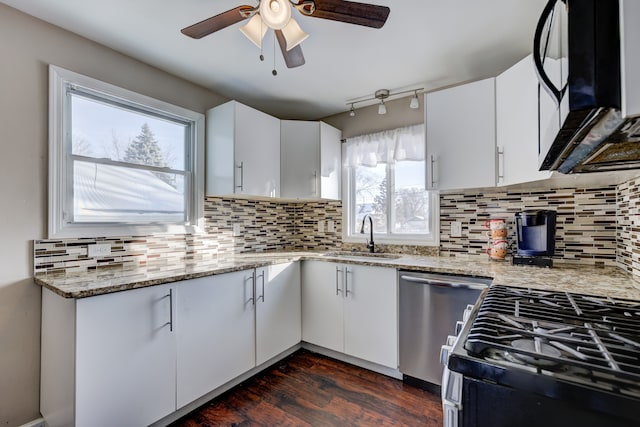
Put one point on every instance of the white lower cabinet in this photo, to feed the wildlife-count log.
(108, 360)
(230, 323)
(215, 332)
(131, 358)
(351, 309)
(278, 310)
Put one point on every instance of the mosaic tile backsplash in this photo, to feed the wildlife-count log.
(598, 226)
(628, 238)
(585, 223)
(264, 225)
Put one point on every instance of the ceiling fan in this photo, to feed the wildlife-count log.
(276, 14)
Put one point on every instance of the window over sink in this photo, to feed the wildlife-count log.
(386, 180)
(120, 163)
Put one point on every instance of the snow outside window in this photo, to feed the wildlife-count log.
(120, 163)
(386, 180)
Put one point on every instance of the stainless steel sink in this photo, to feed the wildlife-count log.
(362, 256)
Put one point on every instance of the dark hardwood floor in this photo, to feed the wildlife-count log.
(307, 389)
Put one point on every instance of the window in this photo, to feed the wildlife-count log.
(386, 180)
(120, 163)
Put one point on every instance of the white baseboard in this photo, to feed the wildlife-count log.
(384, 370)
(35, 423)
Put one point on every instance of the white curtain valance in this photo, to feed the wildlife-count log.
(406, 143)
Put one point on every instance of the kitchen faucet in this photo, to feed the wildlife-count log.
(370, 245)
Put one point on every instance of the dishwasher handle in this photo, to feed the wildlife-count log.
(458, 284)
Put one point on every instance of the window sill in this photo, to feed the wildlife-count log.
(416, 241)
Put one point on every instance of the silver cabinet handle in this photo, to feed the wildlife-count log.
(432, 175)
(500, 163)
(253, 287)
(262, 276)
(315, 182)
(170, 322)
(338, 271)
(347, 272)
(241, 167)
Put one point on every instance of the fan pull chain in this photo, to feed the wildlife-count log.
(261, 55)
(274, 72)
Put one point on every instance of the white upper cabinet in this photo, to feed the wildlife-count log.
(243, 151)
(461, 136)
(517, 124)
(310, 156)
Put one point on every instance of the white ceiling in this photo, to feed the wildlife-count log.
(425, 43)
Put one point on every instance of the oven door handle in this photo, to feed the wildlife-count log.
(555, 93)
(443, 284)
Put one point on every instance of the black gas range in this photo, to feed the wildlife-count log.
(530, 357)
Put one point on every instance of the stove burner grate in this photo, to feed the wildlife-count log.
(560, 331)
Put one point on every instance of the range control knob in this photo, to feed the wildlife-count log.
(459, 325)
(444, 354)
(451, 340)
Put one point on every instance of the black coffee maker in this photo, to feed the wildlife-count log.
(536, 234)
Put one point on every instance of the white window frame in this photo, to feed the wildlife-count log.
(348, 215)
(61, 187)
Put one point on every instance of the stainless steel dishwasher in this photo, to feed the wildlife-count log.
(430, 305)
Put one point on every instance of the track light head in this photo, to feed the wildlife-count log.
(415, 103)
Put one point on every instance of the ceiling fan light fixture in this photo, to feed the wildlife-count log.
(293, 34)
(275, 13)
(254, 30)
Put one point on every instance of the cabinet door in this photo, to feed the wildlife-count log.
(330, 162)
(517, 124)
(125, 358)
(371, 314)
(257, 152)
(215, 332)
(461, 137)
(220, 137)
(322, 311)
(278, 313)
(300, 158)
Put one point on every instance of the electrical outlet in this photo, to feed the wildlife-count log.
(320, 226)
(331, 226)
(456, 229)
(236, 230)
(99, 249)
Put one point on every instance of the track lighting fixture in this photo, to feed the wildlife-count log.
(383, 94)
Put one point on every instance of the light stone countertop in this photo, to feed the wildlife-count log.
(603, 281)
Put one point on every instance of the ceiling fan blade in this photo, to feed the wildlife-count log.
(294, 57)
(368, 15)
(215, 23)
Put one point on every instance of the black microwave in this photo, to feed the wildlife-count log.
(587, 61)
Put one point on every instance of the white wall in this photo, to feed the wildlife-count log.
(27, 47)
